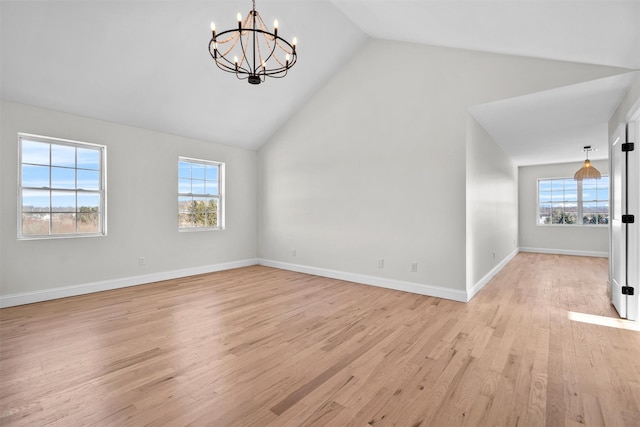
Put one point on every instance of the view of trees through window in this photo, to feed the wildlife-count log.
(198, 194)
(567, 201)
(197, 213)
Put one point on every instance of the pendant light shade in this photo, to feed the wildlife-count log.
(587, 171)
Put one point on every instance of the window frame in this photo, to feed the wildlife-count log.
(579, 203)
(102, 187)
(220, 195)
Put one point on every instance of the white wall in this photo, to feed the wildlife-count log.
(492, 207)
(373, 167)
(142, 207)
(577, 240)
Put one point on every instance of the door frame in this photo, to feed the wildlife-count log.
(632, 207)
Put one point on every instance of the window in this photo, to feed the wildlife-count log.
(61, 188)
(566, 201)
(200, 189)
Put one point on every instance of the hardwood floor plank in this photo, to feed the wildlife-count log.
(298, 394)
(258, 346)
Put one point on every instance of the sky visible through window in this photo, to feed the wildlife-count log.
(197, 178)
(61, 188)
(53, 166)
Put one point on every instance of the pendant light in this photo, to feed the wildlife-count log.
(587, 171)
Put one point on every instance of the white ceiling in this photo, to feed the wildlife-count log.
(553, 126)
(145, 63)
(604, 32)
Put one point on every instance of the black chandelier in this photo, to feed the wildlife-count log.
(257, 52)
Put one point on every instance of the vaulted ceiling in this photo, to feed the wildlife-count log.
(146, 64)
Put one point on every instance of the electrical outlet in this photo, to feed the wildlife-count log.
(142, 261)
(381, 263)
(414, 267)
(294, 252)
(493, 254)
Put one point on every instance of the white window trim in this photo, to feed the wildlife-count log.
(221, 194)
(579, 202)
(103, 186)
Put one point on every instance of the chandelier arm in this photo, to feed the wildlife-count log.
(243, 28)
(228, 39)
(234, 37)
(291, 52)
(274, 38)
(213, 55)
(280, 74)
(235, 42)
(243, 49)
(263, 28)
(272, 49)
(231, 68)
(263, 61)
(225, 67)
(282, 47)
(277, 38)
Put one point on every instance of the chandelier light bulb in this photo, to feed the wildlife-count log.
(213, 27)
(239, 17)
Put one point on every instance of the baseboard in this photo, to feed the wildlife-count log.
(566, 252)
(487, 277)
(106, 285)
(416, 288)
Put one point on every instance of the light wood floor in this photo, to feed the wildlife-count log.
(264, 347)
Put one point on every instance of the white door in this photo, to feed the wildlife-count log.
(633, 251)
(625, 238)
(617, 255)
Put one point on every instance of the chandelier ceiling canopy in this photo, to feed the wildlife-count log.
(251, 51)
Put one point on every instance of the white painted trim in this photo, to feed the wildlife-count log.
(566, 252)
(487, 277)
(106, 285)
(416, 288)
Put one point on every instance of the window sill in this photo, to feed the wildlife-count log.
(574, 225)
(198, 229)
(62, 236)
